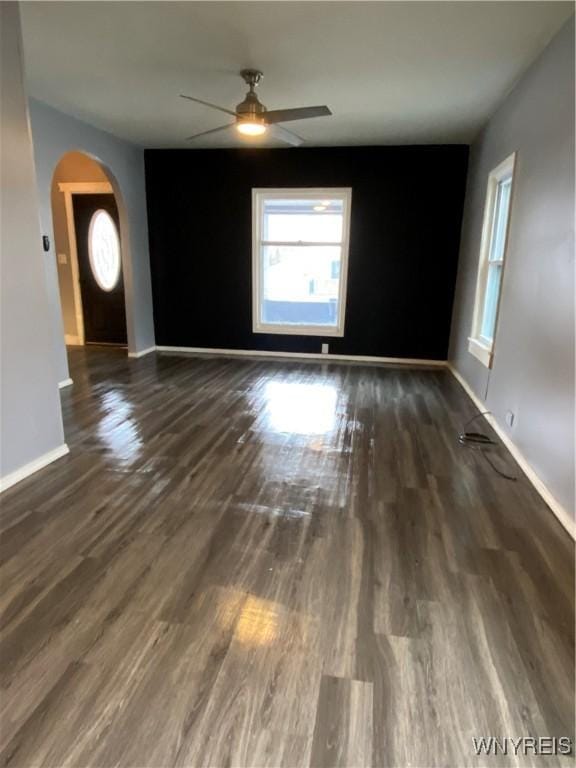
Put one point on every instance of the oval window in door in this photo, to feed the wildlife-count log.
(104, 250)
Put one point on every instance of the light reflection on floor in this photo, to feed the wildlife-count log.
(119, 432)
(301, 409)
(258, 622)
(272, 511)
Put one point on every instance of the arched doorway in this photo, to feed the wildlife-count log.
(90, 252)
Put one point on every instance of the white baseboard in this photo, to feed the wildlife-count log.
(314, 356)
(33, 466)
(142, 352)
(564, 517)
(65, 383)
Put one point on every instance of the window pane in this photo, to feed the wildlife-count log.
(104, 250)
(306, 220)
(501, 209)
(491, 301)
(300, 284)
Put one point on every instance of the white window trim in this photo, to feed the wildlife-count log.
(481, 348)
(258, 194)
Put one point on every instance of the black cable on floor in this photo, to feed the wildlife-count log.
(479, 440)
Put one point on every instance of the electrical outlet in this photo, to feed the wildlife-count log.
(324, 349)
(510, 418)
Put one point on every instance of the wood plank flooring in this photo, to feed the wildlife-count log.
(267, 563)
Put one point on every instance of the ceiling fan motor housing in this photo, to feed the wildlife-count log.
(251, 108)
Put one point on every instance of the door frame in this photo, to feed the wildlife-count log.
(69, 188)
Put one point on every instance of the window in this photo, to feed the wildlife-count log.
(104, 250)
(300, 260)
(492, 254)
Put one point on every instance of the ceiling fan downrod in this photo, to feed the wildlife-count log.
(251, 107)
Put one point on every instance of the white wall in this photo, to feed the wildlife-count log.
(31, 419)
(54, 134)
(533, 369)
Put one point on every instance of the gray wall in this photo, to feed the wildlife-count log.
(54, 134)
(533, 370)
(31, 423)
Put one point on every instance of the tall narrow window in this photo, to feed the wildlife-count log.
(300, 260)
(492, 254)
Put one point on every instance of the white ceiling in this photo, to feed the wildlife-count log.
(392, 72)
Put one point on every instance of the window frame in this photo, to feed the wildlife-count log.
(259, 194)
(478, 346)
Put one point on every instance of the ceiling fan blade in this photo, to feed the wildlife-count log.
(285, 135)
(212, 130)
(208, 104)
(299, 113)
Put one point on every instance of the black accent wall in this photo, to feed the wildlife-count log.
(405, 230)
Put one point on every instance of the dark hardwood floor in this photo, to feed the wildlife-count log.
(269, 563)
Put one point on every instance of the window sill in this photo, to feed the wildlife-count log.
(299, 330)
(481, 351)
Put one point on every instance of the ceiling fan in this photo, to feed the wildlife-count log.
(253, 119)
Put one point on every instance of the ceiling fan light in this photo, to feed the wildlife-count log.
(250, 129)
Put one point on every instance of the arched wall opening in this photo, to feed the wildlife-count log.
(55, 135)
(79, 173)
